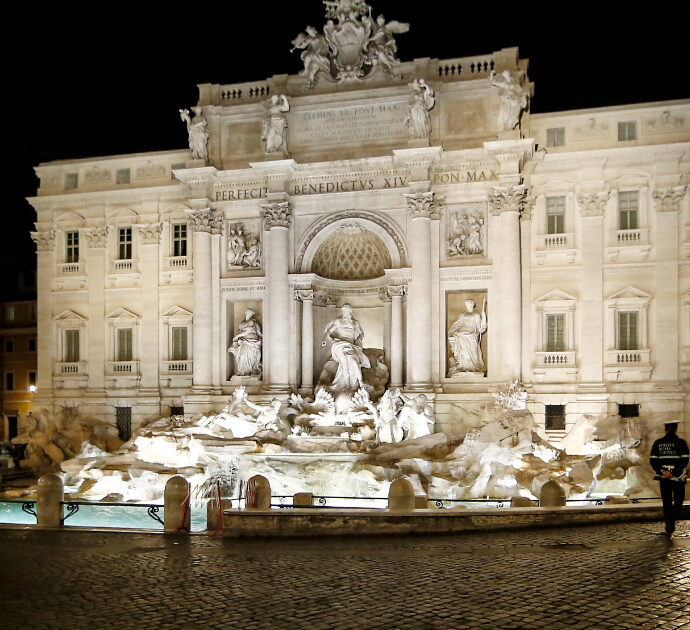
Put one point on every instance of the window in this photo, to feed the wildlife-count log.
(124, 239)
(9, 381)
(71, 346)
(555, 332)
(71, 181)
(555, 215)
(627, 330)
(32, 379)
(627, 131)
(124, 344)
(32, 345)
(179, 344)
(9, 345)
(629, 411)
(9, 313)
(628, 206)
(555, 137)
(72, 247)
(122, 176)
(123, 420)
(179, 239)
(555, 417)
(177, 411)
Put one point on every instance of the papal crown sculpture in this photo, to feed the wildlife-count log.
(350, 48)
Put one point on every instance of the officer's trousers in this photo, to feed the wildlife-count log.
(672, 496)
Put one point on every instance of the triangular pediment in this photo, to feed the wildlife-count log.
(122, 313)
(177, 311)
(630, 293)
(557, 296)
(70, 315)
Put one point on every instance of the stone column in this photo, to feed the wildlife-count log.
(508, 203)
(97, 240)
(203, 223)
(45, 271)
(396, 293)
(307, 298)
(419, 207)
(591, 350)
(276, 218)
(149, 238)
(667, 324)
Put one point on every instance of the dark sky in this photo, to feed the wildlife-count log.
(109, 78)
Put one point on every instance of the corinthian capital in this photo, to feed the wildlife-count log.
(97, 237)
(593, 204)
(150, 234)
(507, 199)
(396, 290)
(45, 241)
(420, 205)
(206, 220)
(668, 199)
(276, 214)
(305, 295)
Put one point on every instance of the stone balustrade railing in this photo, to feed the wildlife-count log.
(556, 241)
(177, 262)
(123, 367)
(628, 357)
(70, 268)
(69, 368)
(177, 367)
(123, 266)
(631, 237)
(465, 67)
(244, 92)
(556, 359)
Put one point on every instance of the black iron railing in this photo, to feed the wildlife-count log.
(72, 508)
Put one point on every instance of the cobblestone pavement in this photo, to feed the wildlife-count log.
(606, 576)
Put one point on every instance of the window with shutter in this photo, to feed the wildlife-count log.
(555, 332)
(627, 330)
(71, 349)
(555, 215)
(179, 344)
(124, 344)
(628, 206)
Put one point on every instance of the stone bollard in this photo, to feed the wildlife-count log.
(520, 502)
(301, 499)
(551, 495)
(258, 496)
(421, 502)
(177, 517)
(51, 493)
(401, 496)
(213, 522)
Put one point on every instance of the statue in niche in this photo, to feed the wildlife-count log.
(514, 100)
(386, 421)
(417, 416)
(244, 250)
(466, 234)
(420, 104)
(382, 45)
(246, 346)
(345, 335)
(198, 134)
(314, 53)
(464, 337)
(275, 125)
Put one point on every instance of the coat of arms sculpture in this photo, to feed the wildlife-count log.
(353, 44)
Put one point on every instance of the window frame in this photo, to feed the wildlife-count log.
(181, 240)
(555, 137)
(624, 198)
(72, 248)
(559, 216)
(125, 246)
(624, 127)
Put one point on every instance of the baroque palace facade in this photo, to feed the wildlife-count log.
(402, 189)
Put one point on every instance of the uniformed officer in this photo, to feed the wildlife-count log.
(669, 458)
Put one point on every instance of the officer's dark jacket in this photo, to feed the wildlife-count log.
(670, 453)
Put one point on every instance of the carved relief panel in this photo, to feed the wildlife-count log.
(465, 234)
(244, 249)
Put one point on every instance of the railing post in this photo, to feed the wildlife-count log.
(51, 494)
(401, 496)
(213, 514)
(177, 517)
(300, 499)
(258, 494)
(551, 494)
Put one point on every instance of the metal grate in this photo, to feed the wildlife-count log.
(123, 418)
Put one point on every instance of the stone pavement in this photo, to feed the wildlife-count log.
(605, 576)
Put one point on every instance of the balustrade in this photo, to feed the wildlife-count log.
(465, 67)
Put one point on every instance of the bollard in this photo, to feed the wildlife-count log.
(213, 523)
(617, 499)
(520, 502)
(421, 502)
(177, 517)
(302, 498)
(551, 495)
(258, 494)
(51, 493)
(401, 496)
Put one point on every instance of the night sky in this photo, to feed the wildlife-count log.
(106, 79)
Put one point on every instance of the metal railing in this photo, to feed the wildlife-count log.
(72, 508)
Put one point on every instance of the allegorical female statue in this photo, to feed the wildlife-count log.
(465, 337)
(198, 134)
(345, 335)
(514, 100)
(275, 125)
(419, 105)
(246, 346)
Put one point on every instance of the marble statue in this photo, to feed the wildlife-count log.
(421, 102)
(315, 52)
(464, 337)
(382, 47)
(466, 234)
(244, 250)
(246, 346)
(198, 134)
(345, 335)
(417, 416)
(267, 416)
(514, 100)
(275, 125)
(386, 421)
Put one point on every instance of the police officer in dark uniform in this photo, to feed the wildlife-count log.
(669, 459)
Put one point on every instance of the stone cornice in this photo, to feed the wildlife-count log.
(276, 214)
(45, 241)
(668, 199)
(593, 204)
(507, 199)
